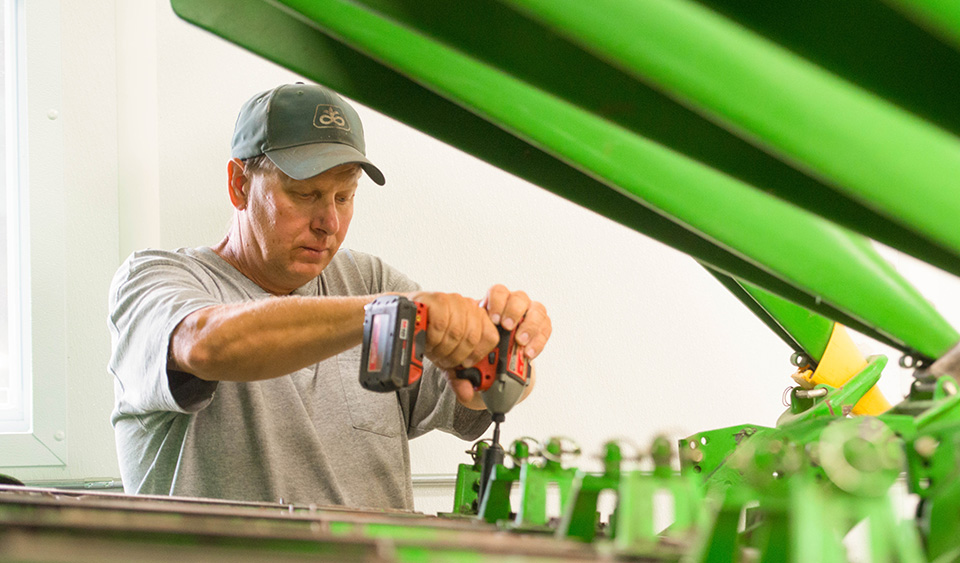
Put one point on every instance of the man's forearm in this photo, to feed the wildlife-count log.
(266, 338)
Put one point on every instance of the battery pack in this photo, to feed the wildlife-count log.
(394, 335)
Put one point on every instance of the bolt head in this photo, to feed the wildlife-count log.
(926, 446)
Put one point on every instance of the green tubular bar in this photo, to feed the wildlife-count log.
(866, 42)
(293, 44)
(859, 143)
(783, 238)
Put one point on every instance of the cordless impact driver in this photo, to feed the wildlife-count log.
(394, 338)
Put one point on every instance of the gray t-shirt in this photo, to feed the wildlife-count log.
(313, 436)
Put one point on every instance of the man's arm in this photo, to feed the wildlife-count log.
(266, 338)
(273, 337)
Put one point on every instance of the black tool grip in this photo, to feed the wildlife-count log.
(472, 375)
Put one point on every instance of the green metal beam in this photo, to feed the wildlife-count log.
(860, 144)
(796, 245)
(868, 43)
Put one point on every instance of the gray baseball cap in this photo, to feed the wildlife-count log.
(305, 129)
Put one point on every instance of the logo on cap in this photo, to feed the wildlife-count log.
(328, 116)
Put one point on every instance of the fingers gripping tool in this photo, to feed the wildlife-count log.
(394, 339)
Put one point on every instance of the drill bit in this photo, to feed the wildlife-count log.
(497, 419)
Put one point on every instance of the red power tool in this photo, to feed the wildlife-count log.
(394, 337)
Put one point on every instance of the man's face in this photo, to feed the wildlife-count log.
(293, 228)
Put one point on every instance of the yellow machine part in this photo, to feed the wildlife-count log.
(841, 361)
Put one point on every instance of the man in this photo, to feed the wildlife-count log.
(236, 366)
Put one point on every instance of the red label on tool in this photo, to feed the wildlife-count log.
(516, 361)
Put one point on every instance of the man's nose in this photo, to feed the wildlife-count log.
(325, 218)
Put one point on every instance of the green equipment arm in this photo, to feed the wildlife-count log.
(541, 132)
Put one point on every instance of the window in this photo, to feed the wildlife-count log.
(14, 417)
(32, 425)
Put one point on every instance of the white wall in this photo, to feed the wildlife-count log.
(645, 341)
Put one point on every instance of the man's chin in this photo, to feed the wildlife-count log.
(309, 269)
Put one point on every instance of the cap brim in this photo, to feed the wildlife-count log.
(306, 161)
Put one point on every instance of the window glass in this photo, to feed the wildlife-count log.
(13, 414)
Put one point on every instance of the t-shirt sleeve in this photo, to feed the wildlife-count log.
(150, 294)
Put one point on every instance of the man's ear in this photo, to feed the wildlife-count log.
(237, 184)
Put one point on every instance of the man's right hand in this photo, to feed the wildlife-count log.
(459, 330)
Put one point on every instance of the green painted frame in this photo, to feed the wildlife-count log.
(472, 86)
